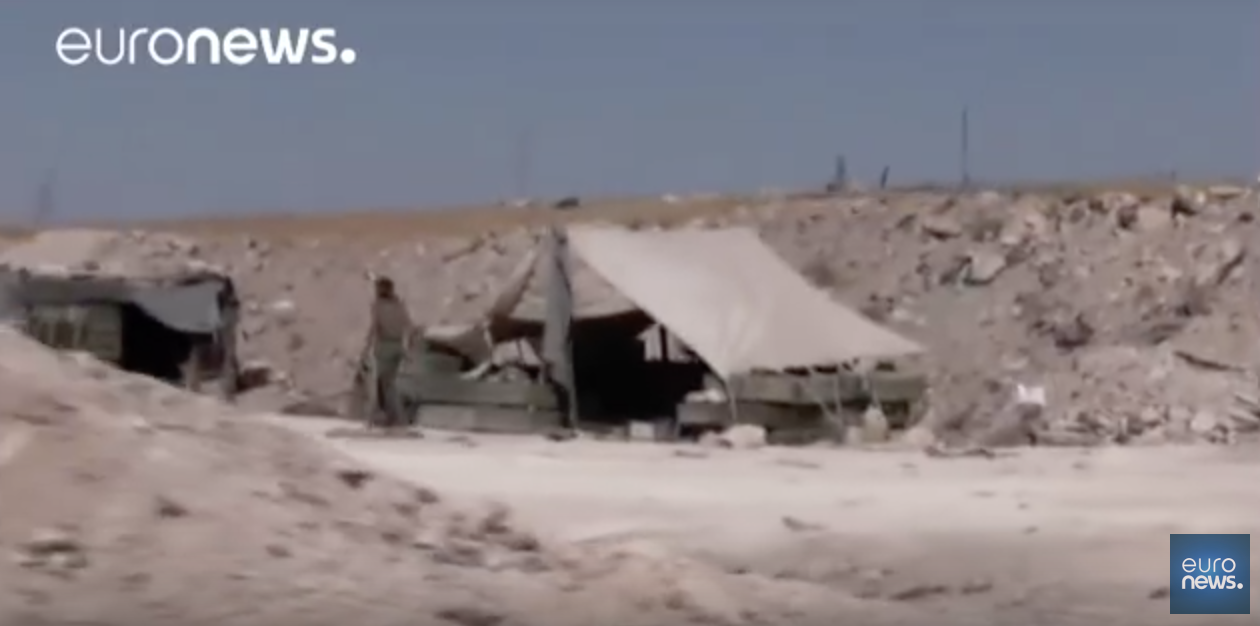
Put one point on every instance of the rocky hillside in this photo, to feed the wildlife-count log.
(1134, 313)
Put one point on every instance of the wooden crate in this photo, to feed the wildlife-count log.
(488, 419)
(807, 390)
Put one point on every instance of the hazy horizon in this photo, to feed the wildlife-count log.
(456, 103)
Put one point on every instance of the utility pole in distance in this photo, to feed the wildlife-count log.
(964, 150)
(524, 162)
(45, 200)
(840, 177)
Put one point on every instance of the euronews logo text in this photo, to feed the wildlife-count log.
(1209, 574)
(1214, 573)
(202, 46)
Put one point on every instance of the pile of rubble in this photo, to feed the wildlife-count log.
(1127, 310)
(130, 502)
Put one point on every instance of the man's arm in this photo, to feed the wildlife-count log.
(411, 328)
(373, 323)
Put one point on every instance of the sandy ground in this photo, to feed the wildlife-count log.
(126, 502)
(1037, 537)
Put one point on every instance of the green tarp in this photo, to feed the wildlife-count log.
(191, 305)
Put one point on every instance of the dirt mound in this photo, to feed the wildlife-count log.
(130, 502)
(133, 253)
(59, 247)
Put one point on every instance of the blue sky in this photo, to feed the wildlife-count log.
(618, 97)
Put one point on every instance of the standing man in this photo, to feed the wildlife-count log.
(388, 343)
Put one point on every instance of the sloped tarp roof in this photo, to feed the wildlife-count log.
(737, 304)
(185, 302)
(522, 305)
(524, 295)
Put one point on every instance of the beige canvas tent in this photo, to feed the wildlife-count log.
(723, 293)
(738, 305)
(575, 323)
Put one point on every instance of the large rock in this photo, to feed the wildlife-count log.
(942, 226)
(1218, 261)
(742, 437)
(984, 266)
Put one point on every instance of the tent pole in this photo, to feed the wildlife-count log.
(566, 270)
(571, 389)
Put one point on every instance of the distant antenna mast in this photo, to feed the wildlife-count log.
(524, 164)
(964, 151)
(840, 177)
(45, 200)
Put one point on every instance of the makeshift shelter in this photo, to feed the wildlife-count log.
(586, 299)
(738, 305)
(178, 327)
